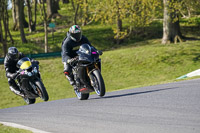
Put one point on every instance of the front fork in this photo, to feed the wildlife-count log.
(92, 79)
(32, 84)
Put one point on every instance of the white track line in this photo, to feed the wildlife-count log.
(23, 127)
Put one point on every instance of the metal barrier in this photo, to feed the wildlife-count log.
(40, 55)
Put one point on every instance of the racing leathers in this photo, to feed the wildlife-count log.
(11, 69)
(69, 49)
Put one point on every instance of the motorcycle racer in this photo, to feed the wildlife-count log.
(70, 45)
(11, 59)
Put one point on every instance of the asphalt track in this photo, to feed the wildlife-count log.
(166, 108)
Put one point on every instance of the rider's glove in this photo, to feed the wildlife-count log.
(72, 60)
(100, 52)
(35, 61)
(13, 75)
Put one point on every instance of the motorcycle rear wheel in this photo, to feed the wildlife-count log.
(41, 90)
(29, 101)
(99, 86)
(81, 96)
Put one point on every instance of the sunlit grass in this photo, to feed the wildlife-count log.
(126, 67)
(6, 129)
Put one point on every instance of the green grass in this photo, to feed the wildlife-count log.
(126, 67)
(139, 61)
(6, 129)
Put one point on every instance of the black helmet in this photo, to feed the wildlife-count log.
(75, 33)
(13, 53)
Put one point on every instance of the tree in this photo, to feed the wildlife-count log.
(113, 12)
(20, 12)
(44, 16)
(31, 24)
(4, 26)
(34, 23)
(187, 8)
(76, 13)
(171, 26)
(16, 15)
(75, 5)
(84, 11)
(135, 13)
(52, 7)
(65, 1)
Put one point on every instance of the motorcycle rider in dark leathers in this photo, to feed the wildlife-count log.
(10, 61)
(69, 47)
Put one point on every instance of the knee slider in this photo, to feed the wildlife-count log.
(11, 82)
(66, 73)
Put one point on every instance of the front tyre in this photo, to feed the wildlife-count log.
(29, 101)
(41, 90)
(81, 96)
(99, 85)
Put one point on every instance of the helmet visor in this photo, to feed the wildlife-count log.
(76, 36)
(14, 56)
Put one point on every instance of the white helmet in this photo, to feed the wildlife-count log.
(75, 33)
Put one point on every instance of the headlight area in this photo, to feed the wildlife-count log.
(35, 70)
(29, 74)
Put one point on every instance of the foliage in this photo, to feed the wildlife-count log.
(189, 8)
(134, 13)
(195, 21)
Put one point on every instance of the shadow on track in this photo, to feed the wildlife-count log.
(135, 93)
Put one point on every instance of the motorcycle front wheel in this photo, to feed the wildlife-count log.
(41, 90)
(29, 101)
(99, 85)
(81, 96)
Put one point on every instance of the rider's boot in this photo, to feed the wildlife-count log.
(17, 91)
(70, 77)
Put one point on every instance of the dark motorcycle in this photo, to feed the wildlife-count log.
(29, 81)
(87, 72)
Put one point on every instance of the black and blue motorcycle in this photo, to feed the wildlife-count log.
(29, 81)
(87, 72)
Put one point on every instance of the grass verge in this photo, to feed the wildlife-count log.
(6, 129)
(126, 67)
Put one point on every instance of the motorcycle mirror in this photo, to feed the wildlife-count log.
(100, 52)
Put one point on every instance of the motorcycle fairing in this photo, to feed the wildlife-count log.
(87, 54)
(24, 63)
(25, 80)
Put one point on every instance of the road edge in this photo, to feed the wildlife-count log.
(23, 127)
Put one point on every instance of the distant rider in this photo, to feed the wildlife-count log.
(10, 61)
(70, 45)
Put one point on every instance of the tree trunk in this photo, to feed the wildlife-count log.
(171, 26)
(45, 29)
(52, 7)
(30, 23)
(34, 24)
(19, 10)
(119, 23)
(86, 15)
(119, 29)
(14, 15)
(25, 23)
(72, 1)
(3, 18)
(2, 40)
(7, 24)
(65, 1)
(76, 13)
(46, 37)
